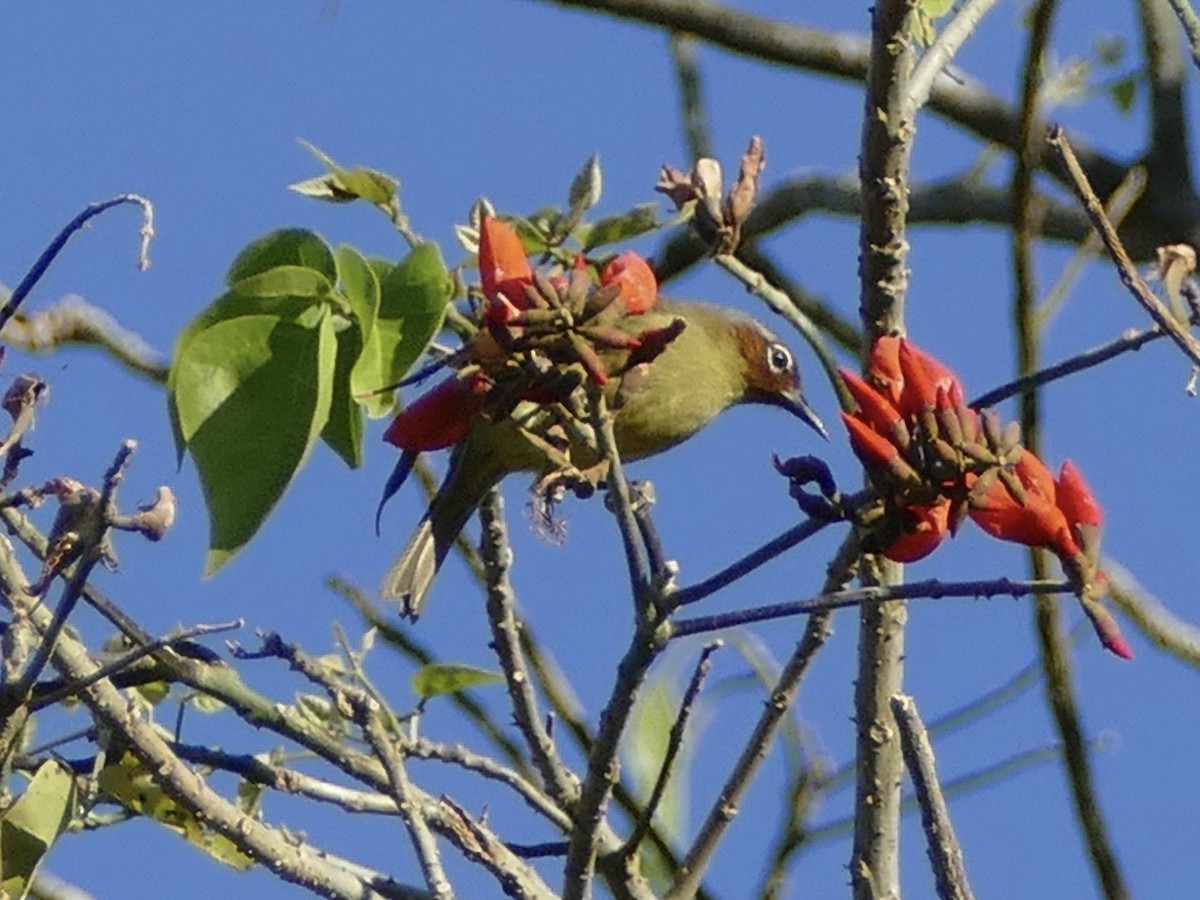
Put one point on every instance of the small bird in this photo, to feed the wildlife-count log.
(720, 359)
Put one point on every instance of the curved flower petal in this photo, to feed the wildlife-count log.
(504, 268)
(441, 417)
(874, 408)
(639, 286)
(1075, 499)
(928, 526)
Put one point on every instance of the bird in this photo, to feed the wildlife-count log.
(721, 358)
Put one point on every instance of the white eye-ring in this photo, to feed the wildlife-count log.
(779, 359)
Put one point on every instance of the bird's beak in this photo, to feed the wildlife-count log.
(798, 406)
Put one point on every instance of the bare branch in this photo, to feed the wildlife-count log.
(942, 847)
(1128, 271)
(674, 744)
(27, 284)
(726, 805)
(871, 595)
(367, 715)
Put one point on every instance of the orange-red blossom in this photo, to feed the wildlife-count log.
(935, 459)
(442, 416)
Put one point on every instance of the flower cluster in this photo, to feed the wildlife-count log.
(541, 337)
(935, 461)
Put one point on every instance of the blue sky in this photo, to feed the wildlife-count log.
(199, 108)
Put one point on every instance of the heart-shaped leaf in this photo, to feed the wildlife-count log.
(412, 304)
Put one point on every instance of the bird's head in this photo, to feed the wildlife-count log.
(771, 373)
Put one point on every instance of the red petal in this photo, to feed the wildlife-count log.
(1037, 524)
(919, 389)
(871, 447)
(1074, 498)
(504, 268)
(1036, 477)
(441, 417)
(883, 368)
(639, 286)
(875, 408)
(930, 524)
(1107, 629)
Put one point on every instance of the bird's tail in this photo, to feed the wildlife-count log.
(409, 580)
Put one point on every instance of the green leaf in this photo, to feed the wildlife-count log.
(935, 9)
(586, 188)
(285, 281)
(412, 304)
(632, 223)
(249, 396)
(31, 824)
(343, 185)
(154, 692)
(766, 672)
(344, 430)
(360, 287)
(447, 678)
(192, 402)
(540, 231)
(1123, 94)
(129, 783)
(358, 284)
(646, 747)
(286, 247)
(468, 238)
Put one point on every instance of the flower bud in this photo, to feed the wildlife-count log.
(504, 269)
(638, 284)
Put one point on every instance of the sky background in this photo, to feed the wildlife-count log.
(198, 107)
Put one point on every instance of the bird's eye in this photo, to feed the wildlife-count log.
(779, 359)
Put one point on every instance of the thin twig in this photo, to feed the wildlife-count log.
(781, 303)
(392, 632)
(871, 595)
(674, 744)
(560, 783)
(1191, 25)
(725, 806)
(941, 843)
(367, 713)
(1026, 384)
(691, 95)
(937, 56)
(1177, 636)
(91, 540)
(754, 559)
(837, 328)
(1118, 206)
(34, 275)
(640, 576)
(1130, 276)
(128, 659)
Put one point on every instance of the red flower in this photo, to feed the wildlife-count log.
(874, 409)
(1083, 513)
(1035, 522)
(442, 416)
(869, 445)
(504, 268)
(908, 376)
(639, 286)
(924, 529)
